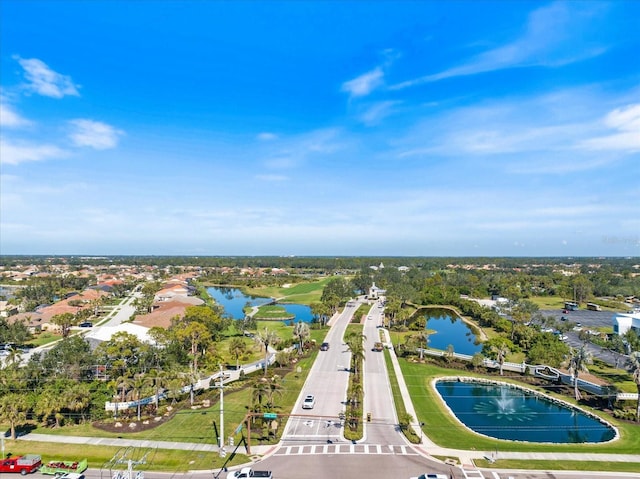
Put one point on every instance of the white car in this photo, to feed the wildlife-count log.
(431, 476)
(309, 402)
(69, 475)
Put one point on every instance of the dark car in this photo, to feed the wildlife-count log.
(324, 347)
(86, 324)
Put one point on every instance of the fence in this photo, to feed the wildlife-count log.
(204, 383)
(541, 371)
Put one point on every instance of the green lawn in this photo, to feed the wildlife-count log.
(197, 425)
(270, 312)
(177, 461)
(446, 431)
(302, 293)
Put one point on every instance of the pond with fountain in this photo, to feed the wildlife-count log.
(505, 411)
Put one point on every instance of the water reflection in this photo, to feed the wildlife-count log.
(506, 412)
(233, 301)
(450, 329)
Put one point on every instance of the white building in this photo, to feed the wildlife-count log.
(104, 333)
(623, 322)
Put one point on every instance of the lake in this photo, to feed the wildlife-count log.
(234, 300)
(450, 329)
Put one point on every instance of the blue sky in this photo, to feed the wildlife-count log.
(420, 128)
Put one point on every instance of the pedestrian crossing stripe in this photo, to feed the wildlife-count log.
(315, 449)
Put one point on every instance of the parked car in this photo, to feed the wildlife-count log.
(324, 347)
(430, 476)
(309, 402)
(86, 324)
(70, 475)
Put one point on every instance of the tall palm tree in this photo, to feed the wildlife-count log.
(635, 368)
(355, 343)
(266, 338)
(260, 391)
(139, 386)
(160, 379)
(237, 347)
(77, 398)
(577, 362)
(356, 389)
(302, 333)
(14, 358)
(13, 411)
(274, 389)
(501, 352)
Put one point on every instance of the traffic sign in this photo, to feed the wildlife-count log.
(270, 415)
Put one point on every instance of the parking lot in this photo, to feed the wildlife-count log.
(590, 320)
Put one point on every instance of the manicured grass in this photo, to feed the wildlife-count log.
(272, 313)
(197, 425)
(43, 338)
(547, 302)
(157, 459)
(397, 396)
(560, 465)
(301, 293)
(446, 431)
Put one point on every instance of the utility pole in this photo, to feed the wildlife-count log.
(221, 440)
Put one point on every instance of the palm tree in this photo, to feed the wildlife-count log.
(355, 343)
(14, 358)
(13, 411)
(448, 355)
(577, 362)
(50, 403)
(237, 347)
(301, 332)
(160, 380)
(356, 391)
(501, 352)
(139, 386)
(266, 338)
(260, 391)
(77, 398)
(635, 367)
(274, 389)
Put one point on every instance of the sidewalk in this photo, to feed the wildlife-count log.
(142, 443)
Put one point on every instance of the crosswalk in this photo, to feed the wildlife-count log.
(312, 449)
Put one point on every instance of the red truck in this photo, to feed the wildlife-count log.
(22, 464)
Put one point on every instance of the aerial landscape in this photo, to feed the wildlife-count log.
(290, 240)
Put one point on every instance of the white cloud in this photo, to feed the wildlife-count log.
(94, 134)
(553, 37)
(9, 118)
(375, 113)
(266, 136)
(627, 138)
(13, 154)
(364, 84)
(562, 132)
(44, 81)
